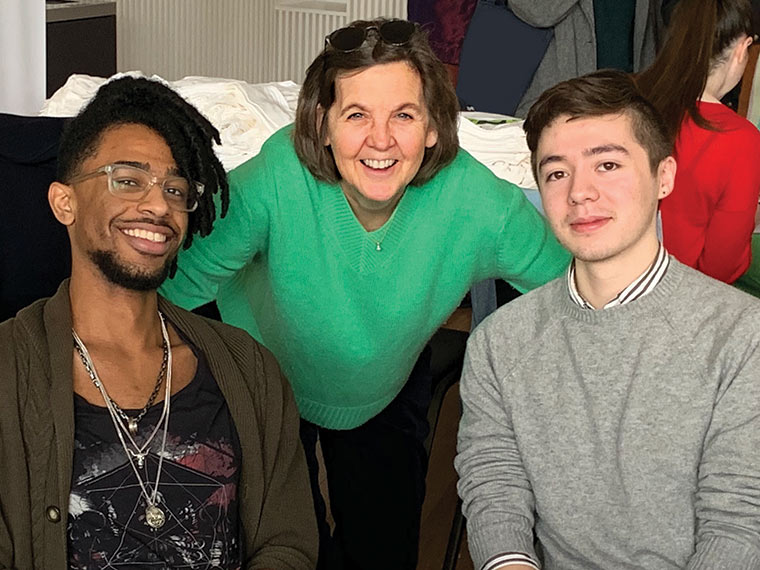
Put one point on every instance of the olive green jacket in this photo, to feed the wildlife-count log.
(37, 439)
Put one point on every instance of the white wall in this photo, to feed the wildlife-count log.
(213, 38)
(252, 40)
(22, 56)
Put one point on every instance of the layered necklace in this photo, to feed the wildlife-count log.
(126, 426)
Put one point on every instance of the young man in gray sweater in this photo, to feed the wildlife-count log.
(612, 417)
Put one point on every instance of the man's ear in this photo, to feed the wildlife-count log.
(321, 116)
(63, 202)
(666, 177)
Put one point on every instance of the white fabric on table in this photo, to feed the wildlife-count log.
(501, 147)
(247, 114)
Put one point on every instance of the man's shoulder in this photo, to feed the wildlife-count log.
(12, 337)
(28, 325)
(712, 292)
(23, 348)
(703, 299)
(193, 324)
(527, 315)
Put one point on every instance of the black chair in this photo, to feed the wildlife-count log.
(449, 346)
(447, 357)
(446, 361)
(34, 247)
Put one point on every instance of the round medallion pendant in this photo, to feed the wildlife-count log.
(154, 517)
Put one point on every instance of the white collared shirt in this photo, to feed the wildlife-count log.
(643, 284)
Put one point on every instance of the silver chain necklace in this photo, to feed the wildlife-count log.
(140, 451)
(155, 517)
(132, 421)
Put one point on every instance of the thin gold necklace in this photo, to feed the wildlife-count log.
(386, 226)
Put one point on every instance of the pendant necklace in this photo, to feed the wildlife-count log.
(132, 421)
(155, 517)
(138, 452)
(387, 225)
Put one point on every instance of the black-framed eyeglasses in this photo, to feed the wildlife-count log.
(133, 183)
(392, 32)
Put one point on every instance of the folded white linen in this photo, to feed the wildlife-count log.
(501, 146)
(247, 114)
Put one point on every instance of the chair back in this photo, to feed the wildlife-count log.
(34, 247)
(749, 106)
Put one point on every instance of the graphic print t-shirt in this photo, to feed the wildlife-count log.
(197, 490)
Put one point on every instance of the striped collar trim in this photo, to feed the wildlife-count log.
(509, 559)
(642, 285)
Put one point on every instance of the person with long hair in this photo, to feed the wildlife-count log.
(708, 220)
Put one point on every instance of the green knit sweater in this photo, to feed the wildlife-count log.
(291, 264)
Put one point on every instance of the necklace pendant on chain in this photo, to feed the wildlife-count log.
(132, 425)
(140, 459)
(378, 248)
(154, 516)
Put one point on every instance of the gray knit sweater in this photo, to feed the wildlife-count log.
(623, 438)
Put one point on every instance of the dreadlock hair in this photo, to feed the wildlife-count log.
(189, 135)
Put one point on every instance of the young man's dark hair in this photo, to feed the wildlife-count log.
(605, 92)
(189, 135)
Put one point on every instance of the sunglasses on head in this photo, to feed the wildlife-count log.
(392, 32)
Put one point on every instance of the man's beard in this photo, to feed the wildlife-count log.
(129, 278)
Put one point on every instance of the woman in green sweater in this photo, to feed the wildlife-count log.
(348, 241)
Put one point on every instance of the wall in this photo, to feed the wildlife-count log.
(22, 64)
(251, 40)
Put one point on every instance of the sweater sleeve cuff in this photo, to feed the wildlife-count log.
(722, 552)
(492, 539)
(509, 559)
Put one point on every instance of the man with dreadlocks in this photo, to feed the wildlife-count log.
(133, 433)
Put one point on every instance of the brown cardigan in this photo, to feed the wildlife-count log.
(37, 439)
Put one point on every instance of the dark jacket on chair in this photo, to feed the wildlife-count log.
(34, 248)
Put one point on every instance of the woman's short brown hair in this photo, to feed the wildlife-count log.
(318, 92)
(604, 92)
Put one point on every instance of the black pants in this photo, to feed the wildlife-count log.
(376, 482)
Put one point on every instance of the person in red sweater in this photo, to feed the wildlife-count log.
(708, 219)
